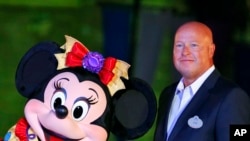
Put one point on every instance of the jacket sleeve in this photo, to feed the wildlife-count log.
(234, 109)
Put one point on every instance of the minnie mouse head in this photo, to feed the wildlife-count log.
(76, 94)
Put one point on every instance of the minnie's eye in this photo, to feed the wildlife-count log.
(57, 99)
(80, 110)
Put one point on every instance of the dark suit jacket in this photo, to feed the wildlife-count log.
(218, 103)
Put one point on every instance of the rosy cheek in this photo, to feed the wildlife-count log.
(32, 106)
(95, 132)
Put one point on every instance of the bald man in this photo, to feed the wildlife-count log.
(202, 105)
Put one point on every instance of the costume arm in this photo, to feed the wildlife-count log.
(20, 131)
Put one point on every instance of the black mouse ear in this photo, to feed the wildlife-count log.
(35, 67)
(134, 109)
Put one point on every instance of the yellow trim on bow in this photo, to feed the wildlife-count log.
(120, 70)
(61, 57)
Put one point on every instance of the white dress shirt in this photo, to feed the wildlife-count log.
(183, 96)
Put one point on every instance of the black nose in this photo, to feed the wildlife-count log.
(61, 111)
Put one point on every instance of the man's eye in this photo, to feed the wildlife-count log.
(179, 45)
(194, 45)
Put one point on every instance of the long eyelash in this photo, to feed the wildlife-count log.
(91, 100)
(57, 85)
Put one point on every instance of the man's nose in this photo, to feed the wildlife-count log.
(186, 50)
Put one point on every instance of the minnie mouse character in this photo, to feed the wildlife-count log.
(78, 95)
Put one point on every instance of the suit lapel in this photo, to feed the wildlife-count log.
(195, 104)
(165, 104)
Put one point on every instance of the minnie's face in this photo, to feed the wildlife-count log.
(68, 109)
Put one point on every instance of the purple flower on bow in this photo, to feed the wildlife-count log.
(93, 62)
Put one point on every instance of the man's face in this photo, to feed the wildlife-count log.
(193, 52)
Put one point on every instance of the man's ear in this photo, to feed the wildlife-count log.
(134, 109)
(35, 67)
(211, 50)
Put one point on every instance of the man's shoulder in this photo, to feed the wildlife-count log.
(227, 87)
(170, 88)
(168, 91)
(224, 83)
